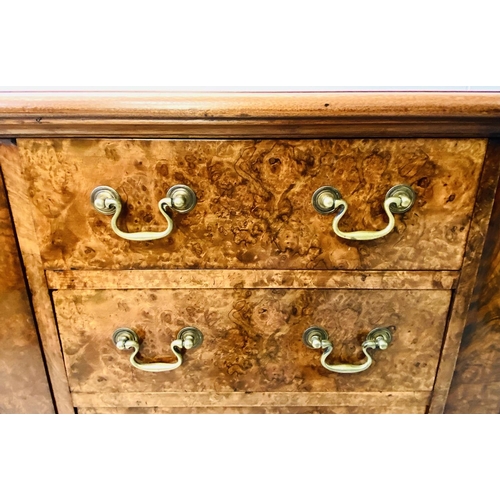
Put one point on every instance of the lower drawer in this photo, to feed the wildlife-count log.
(252, 354)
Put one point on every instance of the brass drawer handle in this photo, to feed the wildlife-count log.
(188, 338)
(107, 201)
(316, 337)
(398, 200)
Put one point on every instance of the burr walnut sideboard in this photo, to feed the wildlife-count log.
(224, 253)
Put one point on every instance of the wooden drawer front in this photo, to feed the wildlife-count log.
(254, 202)
(252, 353)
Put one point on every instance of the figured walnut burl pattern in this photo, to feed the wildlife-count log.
(252, 339)
(254, 202)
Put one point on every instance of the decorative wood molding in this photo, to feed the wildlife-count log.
(232, 115)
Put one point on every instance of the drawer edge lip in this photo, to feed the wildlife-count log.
(406, 410)
(239, 399)
(244, 278)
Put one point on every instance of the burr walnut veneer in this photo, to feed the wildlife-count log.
(254, 202)
(253, 265)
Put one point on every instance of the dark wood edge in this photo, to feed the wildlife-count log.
(354, 127)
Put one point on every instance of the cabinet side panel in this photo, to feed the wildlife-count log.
(462, 300)
(476, 382)
(23, 382)
(42, 305)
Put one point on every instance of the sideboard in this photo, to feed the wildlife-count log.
(332, 252)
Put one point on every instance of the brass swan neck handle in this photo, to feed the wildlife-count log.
(107, 201)
(188, 338)
(398, 200)
(316, 337)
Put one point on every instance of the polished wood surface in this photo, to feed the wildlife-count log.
(195, 105)
(462, 299)
(254, 202)
(330, 114)
(22, 215)
(40, 186)
(245, 278)
(476, 382)
(252, 339)
(24, 386)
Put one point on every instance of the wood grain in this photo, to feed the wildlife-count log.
(24, 387)
(190, 115)
(227, 278)
(22, 215)
(199, 105)
(341, 410)
(254, 208)
(207, 400)
(252, 339)
(252, 129)
(53, 192)
(476, 381)
(461, 302)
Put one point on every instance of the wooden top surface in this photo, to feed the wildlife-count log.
(248, 104)
(249, 114)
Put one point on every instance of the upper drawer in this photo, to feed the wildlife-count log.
(254, 202)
